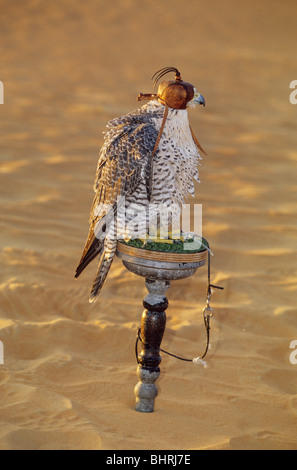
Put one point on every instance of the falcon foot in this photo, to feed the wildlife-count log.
(172, 238)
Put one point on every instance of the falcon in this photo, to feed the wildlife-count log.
(149, 158)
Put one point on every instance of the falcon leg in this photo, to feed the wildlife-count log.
(152, 329)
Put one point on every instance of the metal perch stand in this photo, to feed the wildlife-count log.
(158, 269)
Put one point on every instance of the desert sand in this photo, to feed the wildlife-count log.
(69, 367)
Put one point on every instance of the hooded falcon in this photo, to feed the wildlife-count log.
(149, 158)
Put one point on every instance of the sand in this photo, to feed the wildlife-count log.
(69, 367)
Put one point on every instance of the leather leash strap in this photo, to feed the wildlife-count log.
(196, 141)
(161, 130)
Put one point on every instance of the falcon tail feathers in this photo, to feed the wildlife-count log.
(94, 250)
(93, 246)
(105, 263)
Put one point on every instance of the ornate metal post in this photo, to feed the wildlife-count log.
(152, 329)
(159, 269)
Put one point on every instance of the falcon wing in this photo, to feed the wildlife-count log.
(124, 161)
